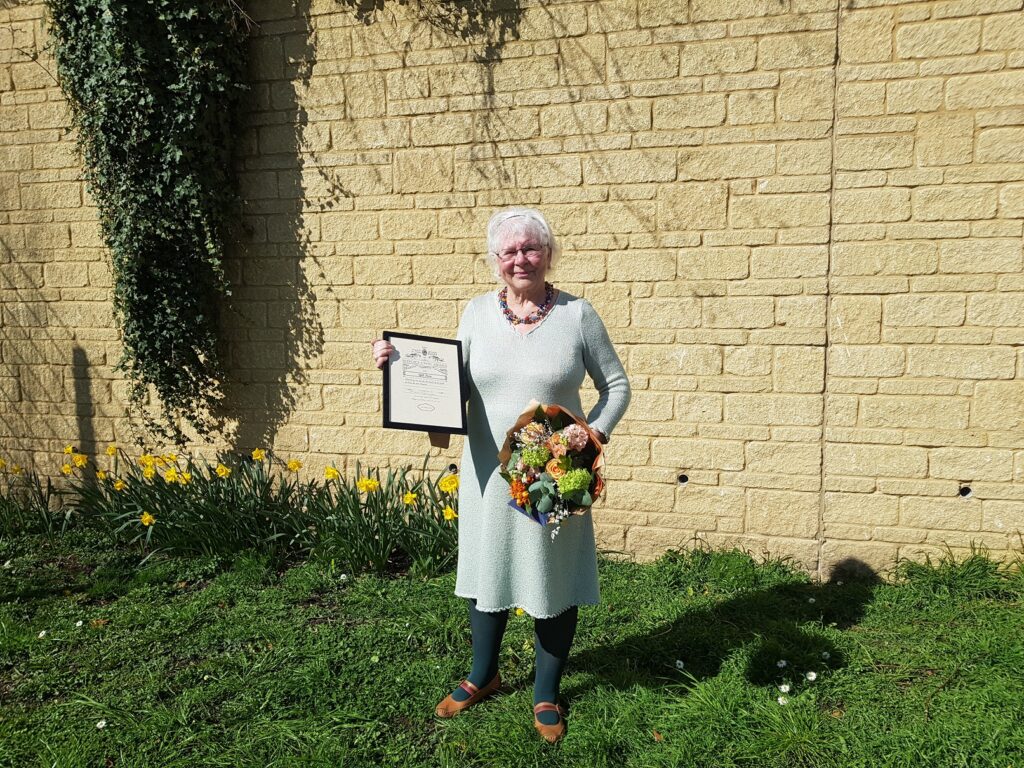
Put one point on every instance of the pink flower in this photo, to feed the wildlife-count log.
(556, 446)
(576, 437)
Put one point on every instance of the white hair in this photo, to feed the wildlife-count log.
(528, 219)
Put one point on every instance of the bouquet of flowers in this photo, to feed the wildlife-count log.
(552, 461)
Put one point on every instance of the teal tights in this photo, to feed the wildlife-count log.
(552, 639)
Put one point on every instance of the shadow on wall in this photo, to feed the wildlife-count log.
(85, 407)
(270, 327)
(484, 24)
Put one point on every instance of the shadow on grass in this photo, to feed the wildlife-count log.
(770, 623)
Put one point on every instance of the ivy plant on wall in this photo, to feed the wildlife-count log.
(153, 86)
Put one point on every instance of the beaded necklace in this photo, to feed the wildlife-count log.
(541, 311)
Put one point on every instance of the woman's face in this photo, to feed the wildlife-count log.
(523, 258)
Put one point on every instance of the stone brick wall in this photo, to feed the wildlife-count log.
(800, 220)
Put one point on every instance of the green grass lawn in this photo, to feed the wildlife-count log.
(195, 662)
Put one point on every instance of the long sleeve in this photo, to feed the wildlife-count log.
(605, 368)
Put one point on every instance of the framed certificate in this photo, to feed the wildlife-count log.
(424, 384)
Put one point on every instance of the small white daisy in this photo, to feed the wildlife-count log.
(784, 688)
(811, 600)
(42, 634)
(825, 654)
(79, 623)
(679, 664)
(781, 663)
(811, 676)
(343, 577)
(101, 724)
(782, 700)
(839, 583)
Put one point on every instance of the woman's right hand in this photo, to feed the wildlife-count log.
(381, 351)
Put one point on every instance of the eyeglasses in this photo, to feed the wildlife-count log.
(532, 252)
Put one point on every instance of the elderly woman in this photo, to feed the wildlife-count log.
(526, 341)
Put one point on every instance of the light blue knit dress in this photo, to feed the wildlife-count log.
(505, 559)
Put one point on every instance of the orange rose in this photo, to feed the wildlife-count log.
(554, 468)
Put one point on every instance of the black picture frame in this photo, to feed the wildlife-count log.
(389, 384)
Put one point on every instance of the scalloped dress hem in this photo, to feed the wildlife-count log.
(527, 610)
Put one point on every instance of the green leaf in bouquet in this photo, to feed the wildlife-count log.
(539, 415)
(542, 484)
(545, 505)
(507, 477)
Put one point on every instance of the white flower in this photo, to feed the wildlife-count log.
(8, 565)
(839, 583)
(781, 663)
(782, 700)
(812, 676)
(679, 664)
(811, 600)
(101, 724)
(825, 654)
(79, 623)
(784, 688)
(42, 634)
(343, 577)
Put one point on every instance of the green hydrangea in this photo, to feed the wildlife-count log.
(535, 455)
(574, 480)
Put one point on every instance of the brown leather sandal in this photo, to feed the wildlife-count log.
(551, 733)
(449, 707)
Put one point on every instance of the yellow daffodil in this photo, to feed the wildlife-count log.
(112, 449)
(101, 475)
(3, 465)
(160, 461)
(520, 611)
(223, 471)
(120, 485)
(145, 460)
(331, 473)
(79, 459)
(185, 478)
(258, 454)
(294, 465)
(409, 498)
(149, 472)
(170, 475)
(16, 469)
(66, 469)
(68, 450)
(170, 458)
(367, 484)
(449, 484)
(450, 514)
(147, 519)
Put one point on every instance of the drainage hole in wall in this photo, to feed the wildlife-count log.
(682, 479)
(966, 492)
(453, 468)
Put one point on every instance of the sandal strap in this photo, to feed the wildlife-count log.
(468, 687)
(546, 706)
